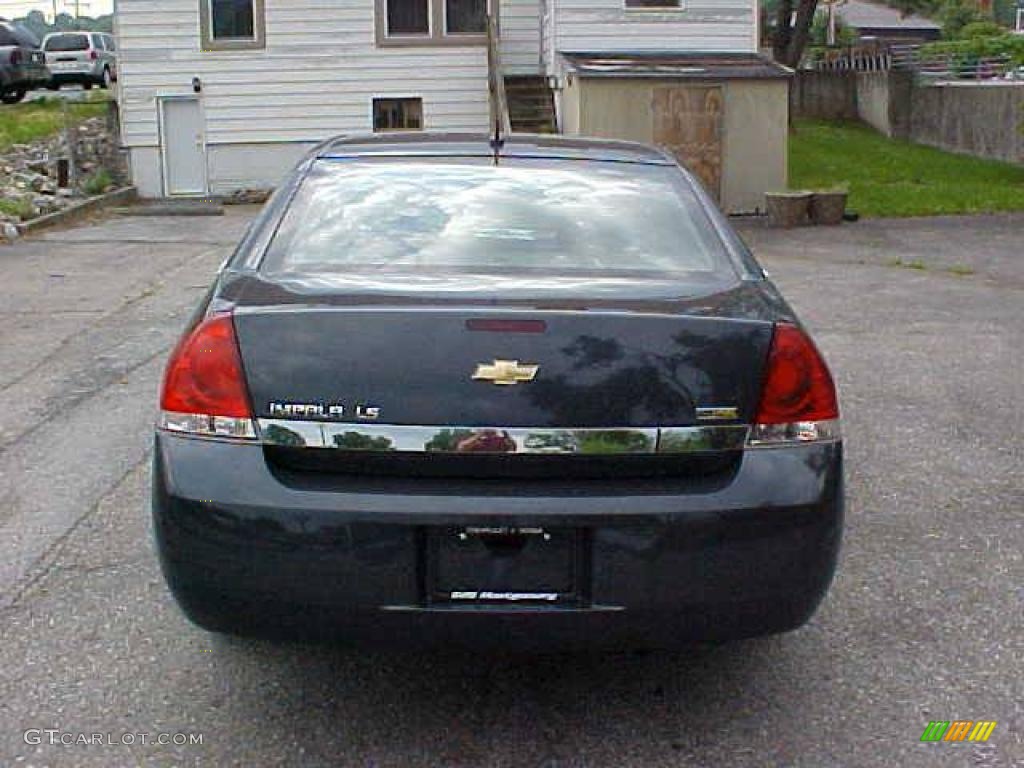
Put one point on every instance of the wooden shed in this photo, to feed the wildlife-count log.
(724, 116)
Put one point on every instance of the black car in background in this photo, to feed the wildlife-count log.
(530, 393)
(22, 63)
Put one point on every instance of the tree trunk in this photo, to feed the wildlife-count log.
(792, 34)
(783, 32)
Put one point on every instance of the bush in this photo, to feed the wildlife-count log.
(97, 183)
(978, 47)
(954, 15)
(977, 29)
(20, 208)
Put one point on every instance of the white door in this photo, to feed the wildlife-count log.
(184, 146)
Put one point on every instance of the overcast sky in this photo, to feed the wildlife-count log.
(16, 8)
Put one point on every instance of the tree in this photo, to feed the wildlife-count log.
(356, 441)
(793, 19)
(35, 22)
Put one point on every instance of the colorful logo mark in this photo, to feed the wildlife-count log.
(958, 730)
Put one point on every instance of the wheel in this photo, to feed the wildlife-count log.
(13, 97)
(87, 86)
(105, 79)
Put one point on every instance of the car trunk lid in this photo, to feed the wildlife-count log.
(497, 367)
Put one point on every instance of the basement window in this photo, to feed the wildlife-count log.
(397, 114)
(232, 24)
(654, 5)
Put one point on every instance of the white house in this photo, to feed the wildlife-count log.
(218, 95)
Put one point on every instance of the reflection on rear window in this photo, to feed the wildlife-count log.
(67, 43)
(575, 217)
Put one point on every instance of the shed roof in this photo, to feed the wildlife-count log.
(673, 65)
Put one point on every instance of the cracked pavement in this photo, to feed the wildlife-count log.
(922, 322)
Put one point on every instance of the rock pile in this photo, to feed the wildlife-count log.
(31, 178)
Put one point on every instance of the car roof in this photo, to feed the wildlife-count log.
(515, 145)
(25, 36)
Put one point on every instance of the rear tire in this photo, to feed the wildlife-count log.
(13, 97)
(105, 79)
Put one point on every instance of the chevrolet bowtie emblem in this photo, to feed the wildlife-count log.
(505, 372)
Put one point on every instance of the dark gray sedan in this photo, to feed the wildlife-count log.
(531, 393)
(22, 63)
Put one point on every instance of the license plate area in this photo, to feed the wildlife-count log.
(504, 566)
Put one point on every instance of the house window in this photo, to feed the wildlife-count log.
(465, 17)
(433, 22)
(397, 114)
(654, 5)
(232, 19)
(408, 17)
(232, 24)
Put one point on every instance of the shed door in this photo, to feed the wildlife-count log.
(184, 146)
(688, 123)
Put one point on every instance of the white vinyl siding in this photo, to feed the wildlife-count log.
(699, 25)
(317, 76)
(321, 68)
(520, 36)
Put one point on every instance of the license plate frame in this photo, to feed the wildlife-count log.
(504, 567)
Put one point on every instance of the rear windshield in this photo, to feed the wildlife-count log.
(17, 35)
(538, 216)
(66, 43)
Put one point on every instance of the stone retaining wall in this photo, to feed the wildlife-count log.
(31, 177)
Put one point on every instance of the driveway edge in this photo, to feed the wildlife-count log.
(79, 210)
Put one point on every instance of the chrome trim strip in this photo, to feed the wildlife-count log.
(795, 433)
(202, 425)
(513, 440)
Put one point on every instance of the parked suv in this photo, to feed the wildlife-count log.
(22, 64)
(87, 58)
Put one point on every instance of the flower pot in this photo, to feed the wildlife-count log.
(828, 207)
(787, 209)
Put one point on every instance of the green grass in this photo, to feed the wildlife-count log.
(908, 264)
(22, 123)
(960, 269)
(897, 178)
(21, 209)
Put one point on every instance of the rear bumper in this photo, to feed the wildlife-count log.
(90, 75)
(246, 549)
(26, 77)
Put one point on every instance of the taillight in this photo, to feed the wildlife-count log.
(204, 387)
(16, 56)
(93, 55)
(798, 398)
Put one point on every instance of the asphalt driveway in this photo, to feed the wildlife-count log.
(923, 324)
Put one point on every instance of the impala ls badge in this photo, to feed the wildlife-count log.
(505, 372)
(329, 411)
